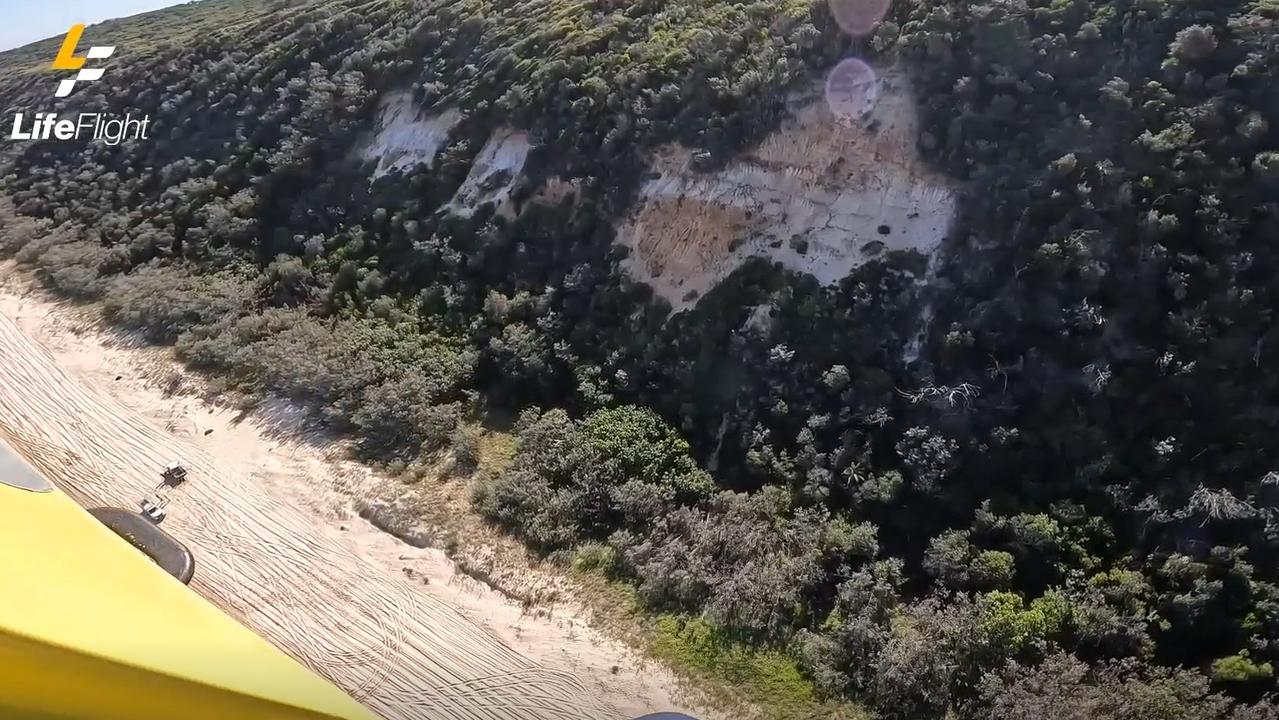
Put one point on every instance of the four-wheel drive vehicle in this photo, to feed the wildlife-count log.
(174, 474)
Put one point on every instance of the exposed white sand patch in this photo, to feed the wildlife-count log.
(494, 173)
(405, 136)
(818, 196)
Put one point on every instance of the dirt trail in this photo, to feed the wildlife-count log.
(277, 547)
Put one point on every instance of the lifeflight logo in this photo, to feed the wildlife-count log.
(67, 60)
(111, 129)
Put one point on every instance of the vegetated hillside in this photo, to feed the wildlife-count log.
(1064, 506)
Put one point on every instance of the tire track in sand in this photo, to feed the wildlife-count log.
(405, 654)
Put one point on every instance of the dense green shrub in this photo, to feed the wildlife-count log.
(1063, 687)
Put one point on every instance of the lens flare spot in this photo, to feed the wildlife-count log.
(852, 90)
(858, 17)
